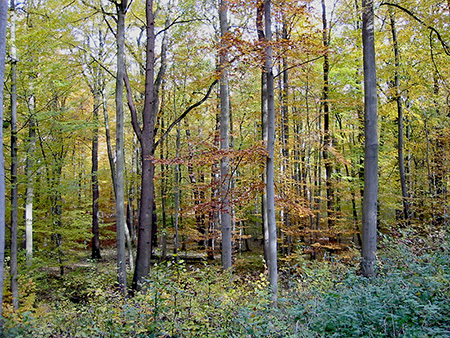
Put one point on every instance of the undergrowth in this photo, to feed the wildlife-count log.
(408, 298)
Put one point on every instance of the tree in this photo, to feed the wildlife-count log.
(94, 172)
(270, 173)
(369, 226)
(3, 24)
(96, 83)
(398, 99)
(264, 129)
(327, 139)
(14, 161)
(120, 162)
(225, 210)
(146, 137)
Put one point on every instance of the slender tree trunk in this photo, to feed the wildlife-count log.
(54, 180)
(176, 196)
(14, 162)
(120, 161)
(398, 99)
(369, 227)
(215, 177)
(284, 135)
(3, 24)
(29, 194)
(109, 147)
(225, 210)
(327, 142)
(29, 164)
(164, 144)
(270, 172)
(163, 200)
(94, 180)
(264, 129)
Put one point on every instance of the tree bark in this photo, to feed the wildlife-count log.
(94, 179)
(398, 99)
(14, 162)
(146, 136)
(30, 182)
(109, 147)
(225, 210)
(264, 129)
(176, 196)
(369, 226)
(120, 161)
(270, 172)
(3, 24)
(29, 164)
(327, 141)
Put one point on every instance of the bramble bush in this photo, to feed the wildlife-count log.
(408, 298)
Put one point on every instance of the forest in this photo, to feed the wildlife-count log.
(229, 168)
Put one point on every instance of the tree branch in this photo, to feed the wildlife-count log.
(407, 11)
(132, 107)
(298, 65)
(182, 116)
(175, 22)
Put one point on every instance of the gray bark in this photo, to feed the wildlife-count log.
(369, 226)
(146, 136)
(109, 148)
(120, 162)
(270, 173)
(225, 211)
(261, 38)
(398, 99)
(94, 179)
(176, 197)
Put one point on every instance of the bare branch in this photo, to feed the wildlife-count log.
(175, 22)
(298, 65)
(407, 11)
(182, 116)
(132, 107)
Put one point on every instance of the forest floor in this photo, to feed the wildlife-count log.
(410, 297)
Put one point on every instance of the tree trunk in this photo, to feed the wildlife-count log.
(264, 129)
(3, 24)
(29, 164)
(108, 142)
(398, 99)
(369, 226)
(146, 137)
(270, 172)
(163, 199)
(14, 162)
(120, 161)
(30, 182)
(176, 196)
(94, 180)
(225, 210)
(327, 142)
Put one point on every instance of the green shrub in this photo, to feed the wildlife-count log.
(408, 298)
